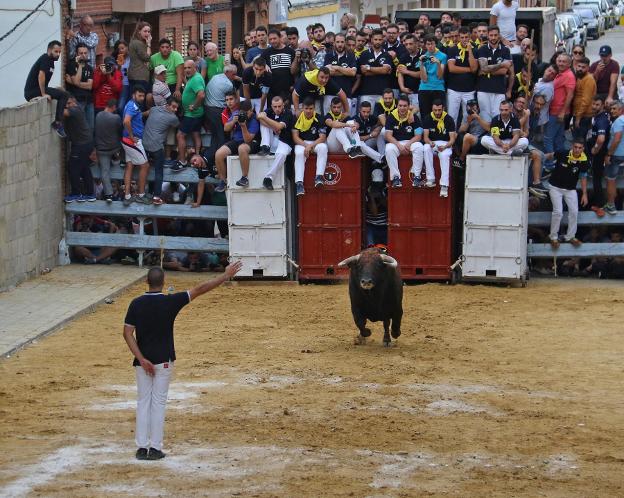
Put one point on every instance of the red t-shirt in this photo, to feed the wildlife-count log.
(603, 79)
(564, 82)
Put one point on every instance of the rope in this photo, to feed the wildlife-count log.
(12, 30)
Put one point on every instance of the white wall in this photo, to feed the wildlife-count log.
(23, 47)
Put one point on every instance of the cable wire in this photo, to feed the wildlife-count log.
(12, 30)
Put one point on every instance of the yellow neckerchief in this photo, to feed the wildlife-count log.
(477, 43)
(521, 86)
(573, 159)
(312, 77)
(439, 121)
(317, 45)
(303, 123)
(335, 117)
(462, 52)
(387, 110)
(395, 115)
(359, 52)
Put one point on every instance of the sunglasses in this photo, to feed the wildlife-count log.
(578, 52)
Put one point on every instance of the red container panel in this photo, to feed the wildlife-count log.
(420, 227)
(330, 218)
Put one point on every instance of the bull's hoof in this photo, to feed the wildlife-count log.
(396, 333)
(366, 332)
(359, 340)
(387, 344)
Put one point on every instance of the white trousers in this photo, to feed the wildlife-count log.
(393, 153)
(344, 138)
(557, 195)
(445, 162)
(455, 100)
(381, 142)
(488, 142)
(151, 405)
(413, 100)
(255, 103)
(321, 160)
(489, 104)
(281, 151)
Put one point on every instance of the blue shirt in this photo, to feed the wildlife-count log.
(134, 112)
(618, 126)
(252, 53)
(433, 82)
(253, 127)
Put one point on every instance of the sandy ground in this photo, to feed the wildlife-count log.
(491, 391)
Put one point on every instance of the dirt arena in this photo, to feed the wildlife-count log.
(490, 391)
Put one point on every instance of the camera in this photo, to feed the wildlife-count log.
(471, 106)
(425, 58)
(305, 54)
(242, 117)
(109, 67)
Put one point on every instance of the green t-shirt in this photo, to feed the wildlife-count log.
(214, 67)
(192, 88)
(171, 62)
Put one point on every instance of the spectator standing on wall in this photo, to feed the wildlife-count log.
(614, 160)
(193, 108)
(262, 44)
(280, 60)
(86, 36)
(81, 138)
(79, 79)
(583, 94)
(107, 143)
(605, 72)
(494, 64)
(107, 84)
(120, 54)
(38, 80)
(139, 52)
(160, 89)
(194, 55)
(174, 62)
(214, 62)
(133, 146)
(216, 90)
(503, 15)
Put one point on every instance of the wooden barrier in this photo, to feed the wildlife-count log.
(142, 241)
(187, 175)
(542, 218)
(103, 208)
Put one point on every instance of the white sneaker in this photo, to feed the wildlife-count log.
(430, 184)
(443, 191)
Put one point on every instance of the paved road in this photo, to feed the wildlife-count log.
(613, 38)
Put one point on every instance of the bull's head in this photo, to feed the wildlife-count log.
(368, 260)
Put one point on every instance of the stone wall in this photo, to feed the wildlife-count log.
(31, 191)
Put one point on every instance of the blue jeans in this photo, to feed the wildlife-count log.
(157, 159)
(554, 139)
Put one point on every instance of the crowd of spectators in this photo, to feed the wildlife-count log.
(448, 91)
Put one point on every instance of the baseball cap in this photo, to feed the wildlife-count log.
(110, 60)
(159, 69)
(377, 176)
(605, 50)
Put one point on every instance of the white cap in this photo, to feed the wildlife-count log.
(159, 69)
(377, 176)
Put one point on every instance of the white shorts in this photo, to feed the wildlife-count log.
(135, 154)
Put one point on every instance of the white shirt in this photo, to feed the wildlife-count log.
(506, 18)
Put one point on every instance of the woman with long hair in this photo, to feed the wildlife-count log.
(140, 51)
(194, 54)
(120, 54)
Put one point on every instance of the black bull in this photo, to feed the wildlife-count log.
(376, 292)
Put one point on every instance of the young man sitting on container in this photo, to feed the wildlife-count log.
(470, 133)
(383, 107)
(309, 135)
(276, 129)
(244, 128)
(343, 134)
(403, 134)
(568, 168)
(504, 137)
(439, 136)
(369, 128)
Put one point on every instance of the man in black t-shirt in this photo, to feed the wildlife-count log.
(81, 155)
(276, 131)
(494, 68)
(280, 59)
(79, 79)
(409, 70)
(342, 67)
(375, 66)
(505, 137)
(439, 136)
(151, 317)
(309, 135)
(316, 84)
(460, 81)
(38, 80)
(369, 128)
(568, 168)
(257, 84)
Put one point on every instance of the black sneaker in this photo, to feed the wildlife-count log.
(108, 198)
(352, 153)
(517, 153)
(267, 183)
(396, 182)
(358, 151)
(221, 186)
(154, 454)
(264, 150)
(299, 189)
(243, 182)
(58, 128)
(458, 163)
(141, 454)
(318, 181)
(417, 183)
(610, 209)
(178, 166)
(128, 200)
(538, 190)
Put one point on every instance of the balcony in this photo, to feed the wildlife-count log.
(144, 6)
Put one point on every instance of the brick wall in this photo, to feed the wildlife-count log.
(179, 21)
(99, 10)
(31, 191)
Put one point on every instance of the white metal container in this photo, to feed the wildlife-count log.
(257, 220)
(495, 218)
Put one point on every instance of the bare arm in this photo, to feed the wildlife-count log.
(246, 92)
(229, 272)
(41, 81)
(612, 85)
(128, 334)
(385, 69)
(492, 68)
(179, 76)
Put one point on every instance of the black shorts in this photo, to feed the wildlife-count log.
(233, 146)
(190, 125)
(478, 148)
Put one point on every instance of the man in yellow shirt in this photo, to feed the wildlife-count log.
(583, 95)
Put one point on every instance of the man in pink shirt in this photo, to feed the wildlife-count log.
(565, 84)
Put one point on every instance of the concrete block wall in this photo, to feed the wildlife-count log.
(31, 191)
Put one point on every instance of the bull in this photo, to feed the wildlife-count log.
(376, 292)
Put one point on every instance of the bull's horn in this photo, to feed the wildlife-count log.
(389, 260)
(349, 260)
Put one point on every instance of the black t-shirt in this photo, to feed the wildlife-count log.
(327, 116)
(317, 128)
(256, 84)
(81, 94)
(345, 60)
(398, 48)
(403, 130)
(279, 60)
(459, 82)
(76, 127)
(600, 126)
(567, 171)
(366, 126)
(375, 84)
(505, 130)
(44, 63)
(153, 315)
(412, 63)
(518, 63)
(489, 83)
(378, 110)
(434, 133)
(287, 118)
(304, 88)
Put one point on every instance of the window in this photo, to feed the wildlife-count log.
(413, 5)
(221, 42)
(170, 35)
(207, 34)
(251, 20)
(186, 38)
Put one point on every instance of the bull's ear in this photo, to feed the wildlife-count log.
(349, 261)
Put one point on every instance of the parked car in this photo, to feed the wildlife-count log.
(571, 27)
(593, 18)
(603, 7)
(563, 37)
(578, 25)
